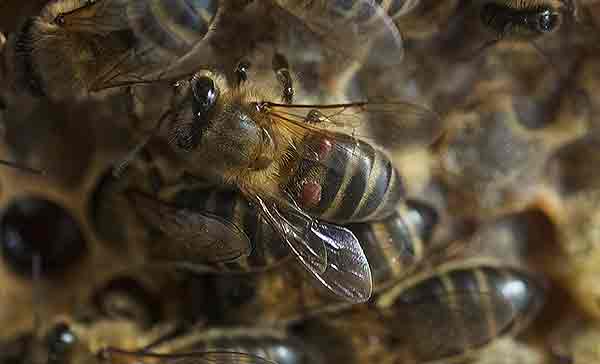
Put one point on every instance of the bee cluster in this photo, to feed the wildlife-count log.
(215, 181)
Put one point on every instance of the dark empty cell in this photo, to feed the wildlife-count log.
(126, 297)
(33, 226)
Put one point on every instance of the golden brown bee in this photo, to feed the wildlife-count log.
(291, 163)
(76, 46)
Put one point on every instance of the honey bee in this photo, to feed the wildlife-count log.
(250, 234)
(287, 160)
(76, 46)
(122, 341)
(446, 315)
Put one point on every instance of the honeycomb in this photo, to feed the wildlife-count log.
(509, 168)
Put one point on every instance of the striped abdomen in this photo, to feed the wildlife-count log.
(393, 246)
(174, 25)
(345, 181)
(267, 247)
(460, 309)
(274, 345)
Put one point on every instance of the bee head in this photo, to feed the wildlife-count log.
(204, 97)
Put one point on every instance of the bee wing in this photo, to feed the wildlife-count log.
(131, 40)
(223, 358)
(209, 357)
(351, 28)
(405, 123)
(192, 236)
(330, 253)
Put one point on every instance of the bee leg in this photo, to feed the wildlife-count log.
(2, 41)
(281, 68)
(123, 163)
(241, 72)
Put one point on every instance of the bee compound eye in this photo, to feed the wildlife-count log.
(59, 20)
(33, 226)
(59, 340)
(205, 95)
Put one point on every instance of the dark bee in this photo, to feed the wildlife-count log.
(448, 315)
(522, 20)
(121, 341)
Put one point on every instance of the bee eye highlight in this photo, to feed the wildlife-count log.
(59, 20)
(548, 21)
(59, 340)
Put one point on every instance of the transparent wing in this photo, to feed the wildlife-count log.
(330, 253)
(404, 122)
(191, 236)
(350, 27)
(115, 355)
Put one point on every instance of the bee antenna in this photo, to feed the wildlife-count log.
(22, 167)
(479, 50)
(36, 269)
(122, 164)
(130, 157)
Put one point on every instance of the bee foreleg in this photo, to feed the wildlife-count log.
(241, 72)
(123, 163)
(281, 68)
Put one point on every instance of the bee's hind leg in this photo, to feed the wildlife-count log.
(281, 69)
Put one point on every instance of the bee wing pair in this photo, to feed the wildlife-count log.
(196, 237)
(114, 355)
(171, 39)
(332, 254)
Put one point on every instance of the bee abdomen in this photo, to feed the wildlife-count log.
(272, 345)
(354, 184)
(395, 244)
(469, 306)
(174, 25)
